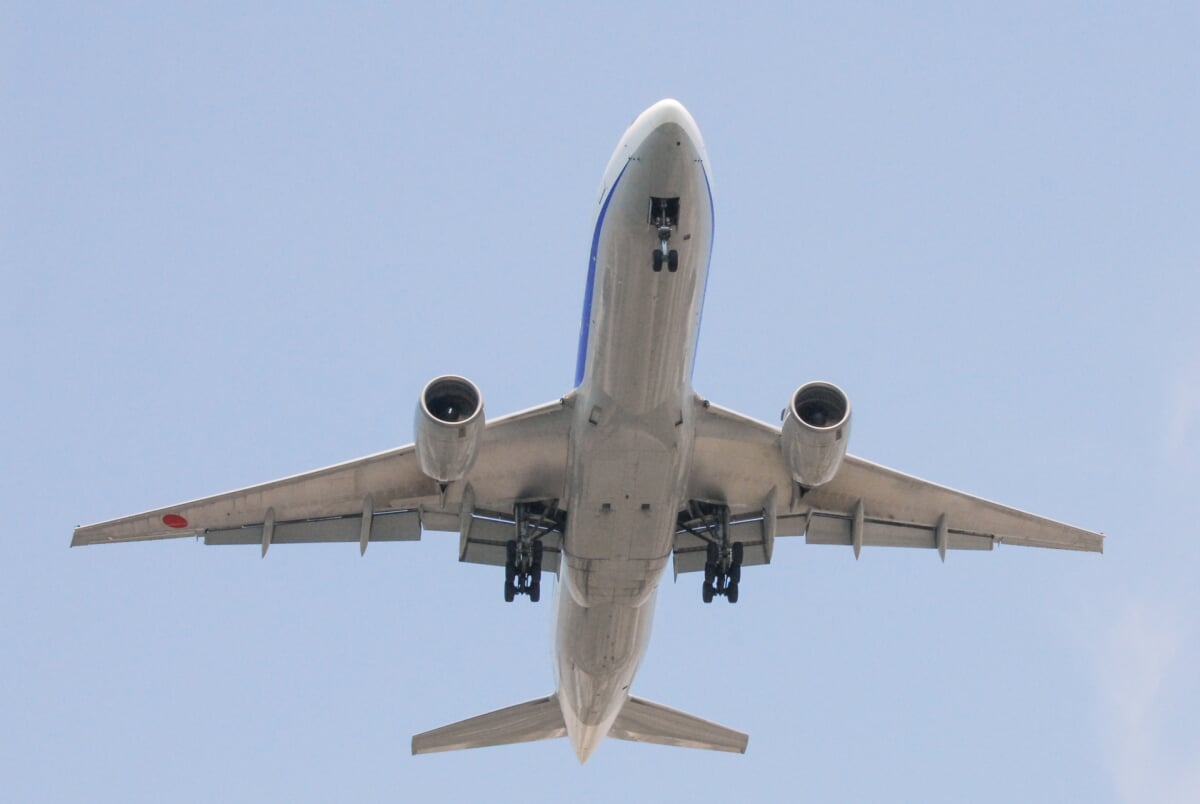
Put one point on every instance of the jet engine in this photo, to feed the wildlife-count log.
(449, 424)
(816, 427)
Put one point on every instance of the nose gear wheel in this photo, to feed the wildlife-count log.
(664, 214)
(662, 257)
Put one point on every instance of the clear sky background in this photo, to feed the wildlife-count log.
(236, 242)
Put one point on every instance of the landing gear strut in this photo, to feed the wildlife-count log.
(722, 572)
(523, 570)
(523, 554)
(663, 215)
(723, 559)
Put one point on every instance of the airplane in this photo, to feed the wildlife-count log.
(628, 471)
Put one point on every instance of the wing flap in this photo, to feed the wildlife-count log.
(386, 526)
(826, 528)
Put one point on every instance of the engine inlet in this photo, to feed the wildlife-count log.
(451, 400)
(821, 405)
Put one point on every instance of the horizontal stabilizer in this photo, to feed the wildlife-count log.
(646, 722)
(533, 720)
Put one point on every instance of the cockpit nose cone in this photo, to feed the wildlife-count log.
(671, 115)
(669, 111)
(672, 107)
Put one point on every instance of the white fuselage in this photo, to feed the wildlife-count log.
(633, 432)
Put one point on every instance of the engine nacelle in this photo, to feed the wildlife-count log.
(449, 424)
(816, 427)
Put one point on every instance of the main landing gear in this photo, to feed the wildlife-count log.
(723, 558)
(523, 570)
(523, 555)
(722, 572)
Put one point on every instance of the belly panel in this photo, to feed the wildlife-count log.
(600, 648)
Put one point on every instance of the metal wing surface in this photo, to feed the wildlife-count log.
(382, 497)
(738, 462)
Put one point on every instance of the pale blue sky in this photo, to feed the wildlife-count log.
(238, 241)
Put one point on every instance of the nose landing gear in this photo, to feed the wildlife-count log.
(664, 216)
(663, 256)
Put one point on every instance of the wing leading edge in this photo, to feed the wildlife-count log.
(738, 463)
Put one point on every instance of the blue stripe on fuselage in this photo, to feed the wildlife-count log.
(712, 229)
(586, 324)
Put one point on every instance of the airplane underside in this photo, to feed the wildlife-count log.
(625, 474)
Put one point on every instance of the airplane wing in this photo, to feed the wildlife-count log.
(383, 497)
(738, 463)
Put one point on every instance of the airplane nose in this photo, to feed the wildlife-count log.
(665, 123)
(656, 134)
(670, 112)
(669, 123)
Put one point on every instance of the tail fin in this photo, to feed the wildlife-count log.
(533, 720)
(646, 722)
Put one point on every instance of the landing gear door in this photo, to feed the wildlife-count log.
(755, 530)
(485, 535)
